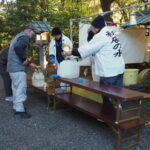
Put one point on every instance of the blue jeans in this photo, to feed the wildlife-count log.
(114, 81)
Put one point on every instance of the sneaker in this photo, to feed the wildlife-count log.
(9, 98)
(22, 115)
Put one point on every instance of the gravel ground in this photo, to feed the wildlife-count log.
(60, 130)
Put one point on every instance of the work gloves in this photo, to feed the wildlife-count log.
(52, 59)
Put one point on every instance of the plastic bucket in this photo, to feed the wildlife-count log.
(143, 76)
(130, 77)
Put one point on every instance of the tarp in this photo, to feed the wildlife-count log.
(134, 45)
(141, 18)
(133, 40)
(83, 33)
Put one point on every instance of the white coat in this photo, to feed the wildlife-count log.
(52, 46)
(52, 51)
(108, 56)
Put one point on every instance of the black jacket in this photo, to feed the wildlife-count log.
(3, 59)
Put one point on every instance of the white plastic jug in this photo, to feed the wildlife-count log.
(34, 82)
(38, 78)
(69, 69)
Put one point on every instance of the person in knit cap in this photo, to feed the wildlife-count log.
(106, 47)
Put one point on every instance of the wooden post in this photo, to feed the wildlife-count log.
(42, 56)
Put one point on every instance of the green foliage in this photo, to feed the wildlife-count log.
(125, 3)
(14, 15)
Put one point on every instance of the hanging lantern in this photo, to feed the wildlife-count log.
(42, 37)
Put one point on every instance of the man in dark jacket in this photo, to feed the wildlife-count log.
(5, 75)
(17, 62)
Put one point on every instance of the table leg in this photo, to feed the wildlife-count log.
(118, 111)
(54, 103)
(49, 99)
(118, 140)
(139, 107)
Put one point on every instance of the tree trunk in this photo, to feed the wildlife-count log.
(106, 4)
(63, 3)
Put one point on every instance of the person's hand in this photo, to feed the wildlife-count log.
(52, 59)
(34, 66)
(67, 53)
(26, 62)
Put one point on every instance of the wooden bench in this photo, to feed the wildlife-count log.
(121, 120)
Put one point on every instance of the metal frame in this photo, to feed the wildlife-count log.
(104, 13)
(120, 138)
(120, 111)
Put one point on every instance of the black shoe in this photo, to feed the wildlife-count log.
(22, 115)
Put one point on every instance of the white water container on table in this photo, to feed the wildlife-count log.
(38, 78)
(69, 69)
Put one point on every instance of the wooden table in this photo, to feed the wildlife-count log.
(123, 119)
(120, 120)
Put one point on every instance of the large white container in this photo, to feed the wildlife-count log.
(130, 77)
(38, 79)
(69, 69)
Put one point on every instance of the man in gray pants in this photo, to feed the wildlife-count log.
(17, 62)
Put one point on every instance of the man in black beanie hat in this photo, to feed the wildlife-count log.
(97, 24)
(109, 63)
